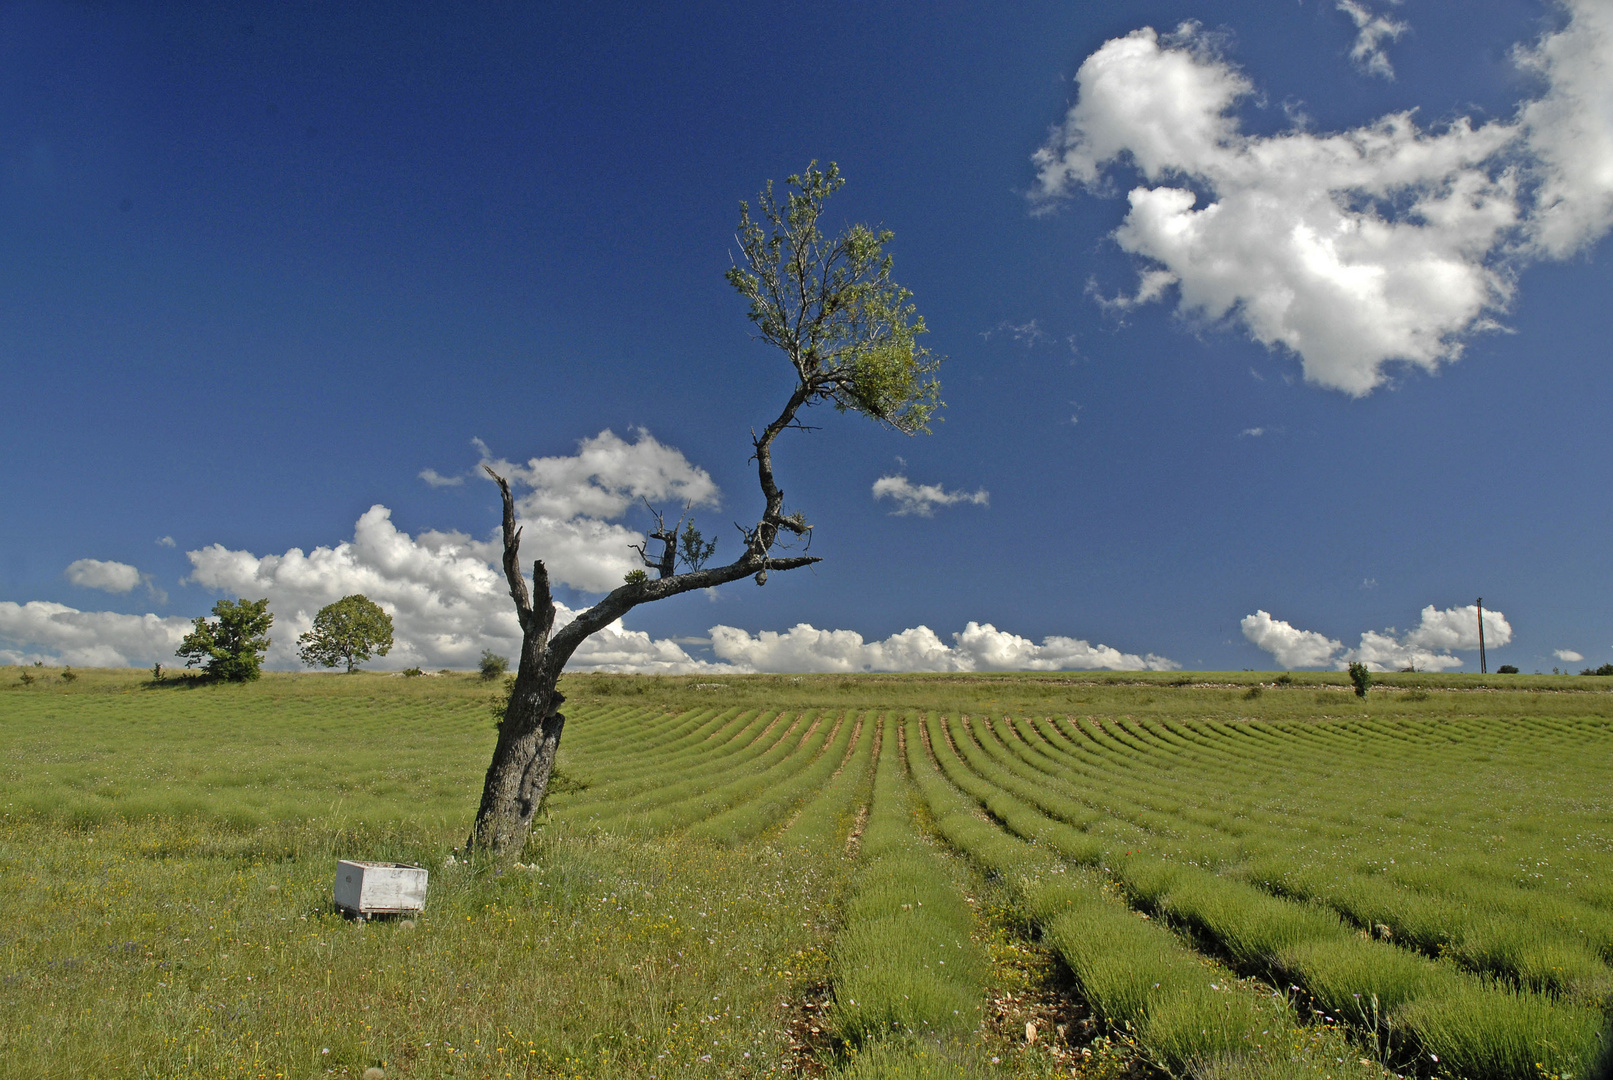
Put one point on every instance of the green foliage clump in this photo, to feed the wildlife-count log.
(634, 577)
(27, 678)
(693, 548)
(492, 665)
(231, 647)
(830, 305)
(68, 674)
(1605, 669)
(1361, 677)
(1507, 669)
(347, 632)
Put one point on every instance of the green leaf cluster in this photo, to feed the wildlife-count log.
(830, 305)
(231, 646)
(693, 548)
(349, 632)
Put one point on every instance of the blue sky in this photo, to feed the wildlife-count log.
(264, 265)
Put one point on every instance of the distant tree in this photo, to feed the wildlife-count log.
(349, 632)
(851, 339)
(1507, 669)
(1361, 677)
(231, 647)
(492, 665)
(1605, 669)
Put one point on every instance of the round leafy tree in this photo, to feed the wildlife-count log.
(349, 632)
(230, 647)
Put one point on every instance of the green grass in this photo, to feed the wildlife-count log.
(166, 853)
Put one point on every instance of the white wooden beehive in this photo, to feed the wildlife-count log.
(380, 888)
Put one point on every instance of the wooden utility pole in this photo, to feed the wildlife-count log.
(1483, 668)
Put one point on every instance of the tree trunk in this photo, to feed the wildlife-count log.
(529, 734)
(523, 760)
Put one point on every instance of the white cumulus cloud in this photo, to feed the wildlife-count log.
(56, 633)
(1289, 646)
(1384, 243)
(1428, 646)
(447, 600)
(922, 499)
(112, 577)
(1568, 656)
(566, 505)
(1569, 131)
(978, 647)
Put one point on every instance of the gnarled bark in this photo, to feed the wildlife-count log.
(851, 336)
(529, 735)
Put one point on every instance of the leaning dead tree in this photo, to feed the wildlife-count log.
(850, 335)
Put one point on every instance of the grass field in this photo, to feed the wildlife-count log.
(1106, 875)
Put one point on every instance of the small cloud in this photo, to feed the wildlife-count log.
(1372, 30)
(1151, 285)
(1028, 334)
(112, 577)
(437, 480)
(1256, 375)
(1369, 583)
(922, 499)
(1567, 655)
(1251, 433)
(165, 541)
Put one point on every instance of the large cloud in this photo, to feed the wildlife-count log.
(1570, 131)
(978, 647)
(448, 602)
(569, 503)
(55, 633)
(446, 599)
(1288, 645)
(1386, 242)
(1428, 646)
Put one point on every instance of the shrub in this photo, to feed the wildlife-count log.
(1361, 677)
(492, 665)
(1285, 679)
(1507, 669)
(1252, 693)
(68, 674)
(156, 673)
(1605, 669)
(412, 673)
(27, 678)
